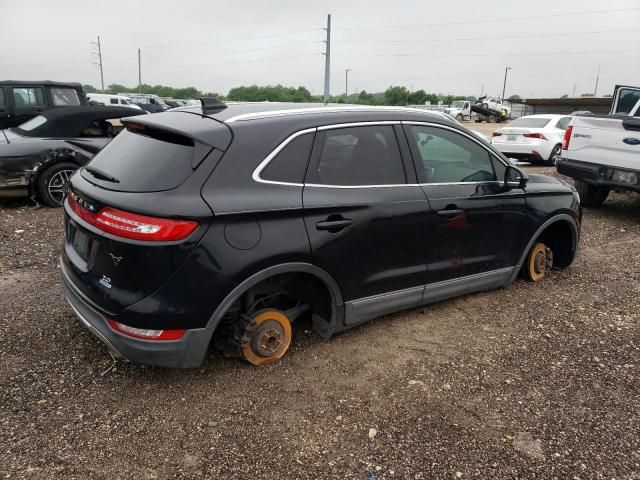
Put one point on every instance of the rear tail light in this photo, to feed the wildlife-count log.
(496, 134)
(145, 333)
(535, 135)
(132, 225)
(567, 137)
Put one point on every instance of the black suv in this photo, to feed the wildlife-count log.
(223, 224)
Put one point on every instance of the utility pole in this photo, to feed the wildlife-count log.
(504, 85)
(139, 73)
(327, 61)
(574, 90)
(595, 90)
(346, 83)
(99, 62)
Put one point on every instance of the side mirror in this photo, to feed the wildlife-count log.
(515, 178)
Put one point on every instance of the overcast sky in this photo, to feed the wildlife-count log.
(457, 46)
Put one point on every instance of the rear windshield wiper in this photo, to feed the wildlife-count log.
(101, 175)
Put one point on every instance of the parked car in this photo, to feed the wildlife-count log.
(601, 152)
(492, 103)
(110, 99)
(22, 100)
(38, 157)
(248, 216)
(533, 137)
(148, 102)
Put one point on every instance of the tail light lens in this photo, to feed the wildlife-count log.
(567, 137)
(535, 135)
(496, 134)
(132, 225)
(146, 334)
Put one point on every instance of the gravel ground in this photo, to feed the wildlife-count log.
(529, 381)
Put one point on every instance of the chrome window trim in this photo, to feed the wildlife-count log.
(263, 164)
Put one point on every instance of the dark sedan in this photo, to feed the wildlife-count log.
(38, 157)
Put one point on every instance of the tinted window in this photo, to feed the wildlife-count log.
(65, 96)
(563, 123)
(113, 101)
(35, 122)
(627, 99)
(290, 164)
(143, 163)
(124, 102)
(449, 157)
(1, 97)
(25, 97)
(530, 122)
(359, 156)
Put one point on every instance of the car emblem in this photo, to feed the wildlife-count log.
(632, 141)
(105, 281)
(116, 260)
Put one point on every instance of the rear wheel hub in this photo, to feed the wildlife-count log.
(269, 339)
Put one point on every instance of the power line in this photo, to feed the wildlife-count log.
(225, 52)
(518, 54)
(235, 63)
(494, 20)
(438, 40)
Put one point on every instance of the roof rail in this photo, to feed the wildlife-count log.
(211, 105)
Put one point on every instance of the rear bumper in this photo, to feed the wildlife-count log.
(519, 150)
(188, 352)
(595, 174)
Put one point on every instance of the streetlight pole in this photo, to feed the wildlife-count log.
(346, 83)
(504, 85)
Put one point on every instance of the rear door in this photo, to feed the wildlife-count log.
(474, 225)
(366, 217)
(28, 101)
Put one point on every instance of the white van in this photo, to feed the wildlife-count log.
(108, 99)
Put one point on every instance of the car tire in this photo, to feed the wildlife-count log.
(485, 105)
(555, 154)
(591, 195)
(459, 117)
(52, 183)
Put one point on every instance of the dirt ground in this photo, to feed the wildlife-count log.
(529, 381)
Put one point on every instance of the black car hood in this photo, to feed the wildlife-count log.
(537, 178)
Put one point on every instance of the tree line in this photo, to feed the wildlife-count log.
(394, 95)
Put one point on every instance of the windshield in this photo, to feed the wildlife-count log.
(458, 104)
(29, 125)
(530, 122)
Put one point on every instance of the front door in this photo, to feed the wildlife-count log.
(27, 102)
(475, 225)
(366, 224)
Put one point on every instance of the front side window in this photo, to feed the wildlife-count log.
(358, 156)
(445, 156)
(64, 97)
(28, 96)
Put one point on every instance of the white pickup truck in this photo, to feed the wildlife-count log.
(601, 152)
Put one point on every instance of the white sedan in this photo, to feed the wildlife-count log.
(534, 137)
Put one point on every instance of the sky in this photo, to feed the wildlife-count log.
(458, 47)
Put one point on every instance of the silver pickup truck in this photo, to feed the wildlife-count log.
(602, 152)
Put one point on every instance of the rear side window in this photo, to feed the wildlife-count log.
(290, 164)
(28, 96)
(113, 101)
(134, 162)
(2, 104)
(530, 122)
(358, 156)
(627, 100)
(563, 123)
(65, 97)
(449, 157)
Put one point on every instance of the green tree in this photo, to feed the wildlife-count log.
(396, 96)
(89, 88)
(566, 95)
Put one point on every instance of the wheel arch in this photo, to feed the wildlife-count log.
(337, 312)
(560, 220)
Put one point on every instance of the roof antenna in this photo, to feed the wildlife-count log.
(212, 105)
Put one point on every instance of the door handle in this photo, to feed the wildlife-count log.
(449, 213)
(334, 226)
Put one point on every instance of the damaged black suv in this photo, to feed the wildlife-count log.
(222, 225)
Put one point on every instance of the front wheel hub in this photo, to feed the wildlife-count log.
(269, 339)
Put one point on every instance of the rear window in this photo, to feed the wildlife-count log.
(133, 162)
(65, 97)
(627, 100)
(530, 122)
(35, 122)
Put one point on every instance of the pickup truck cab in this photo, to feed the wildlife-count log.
(601, 152)
(22, 100)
